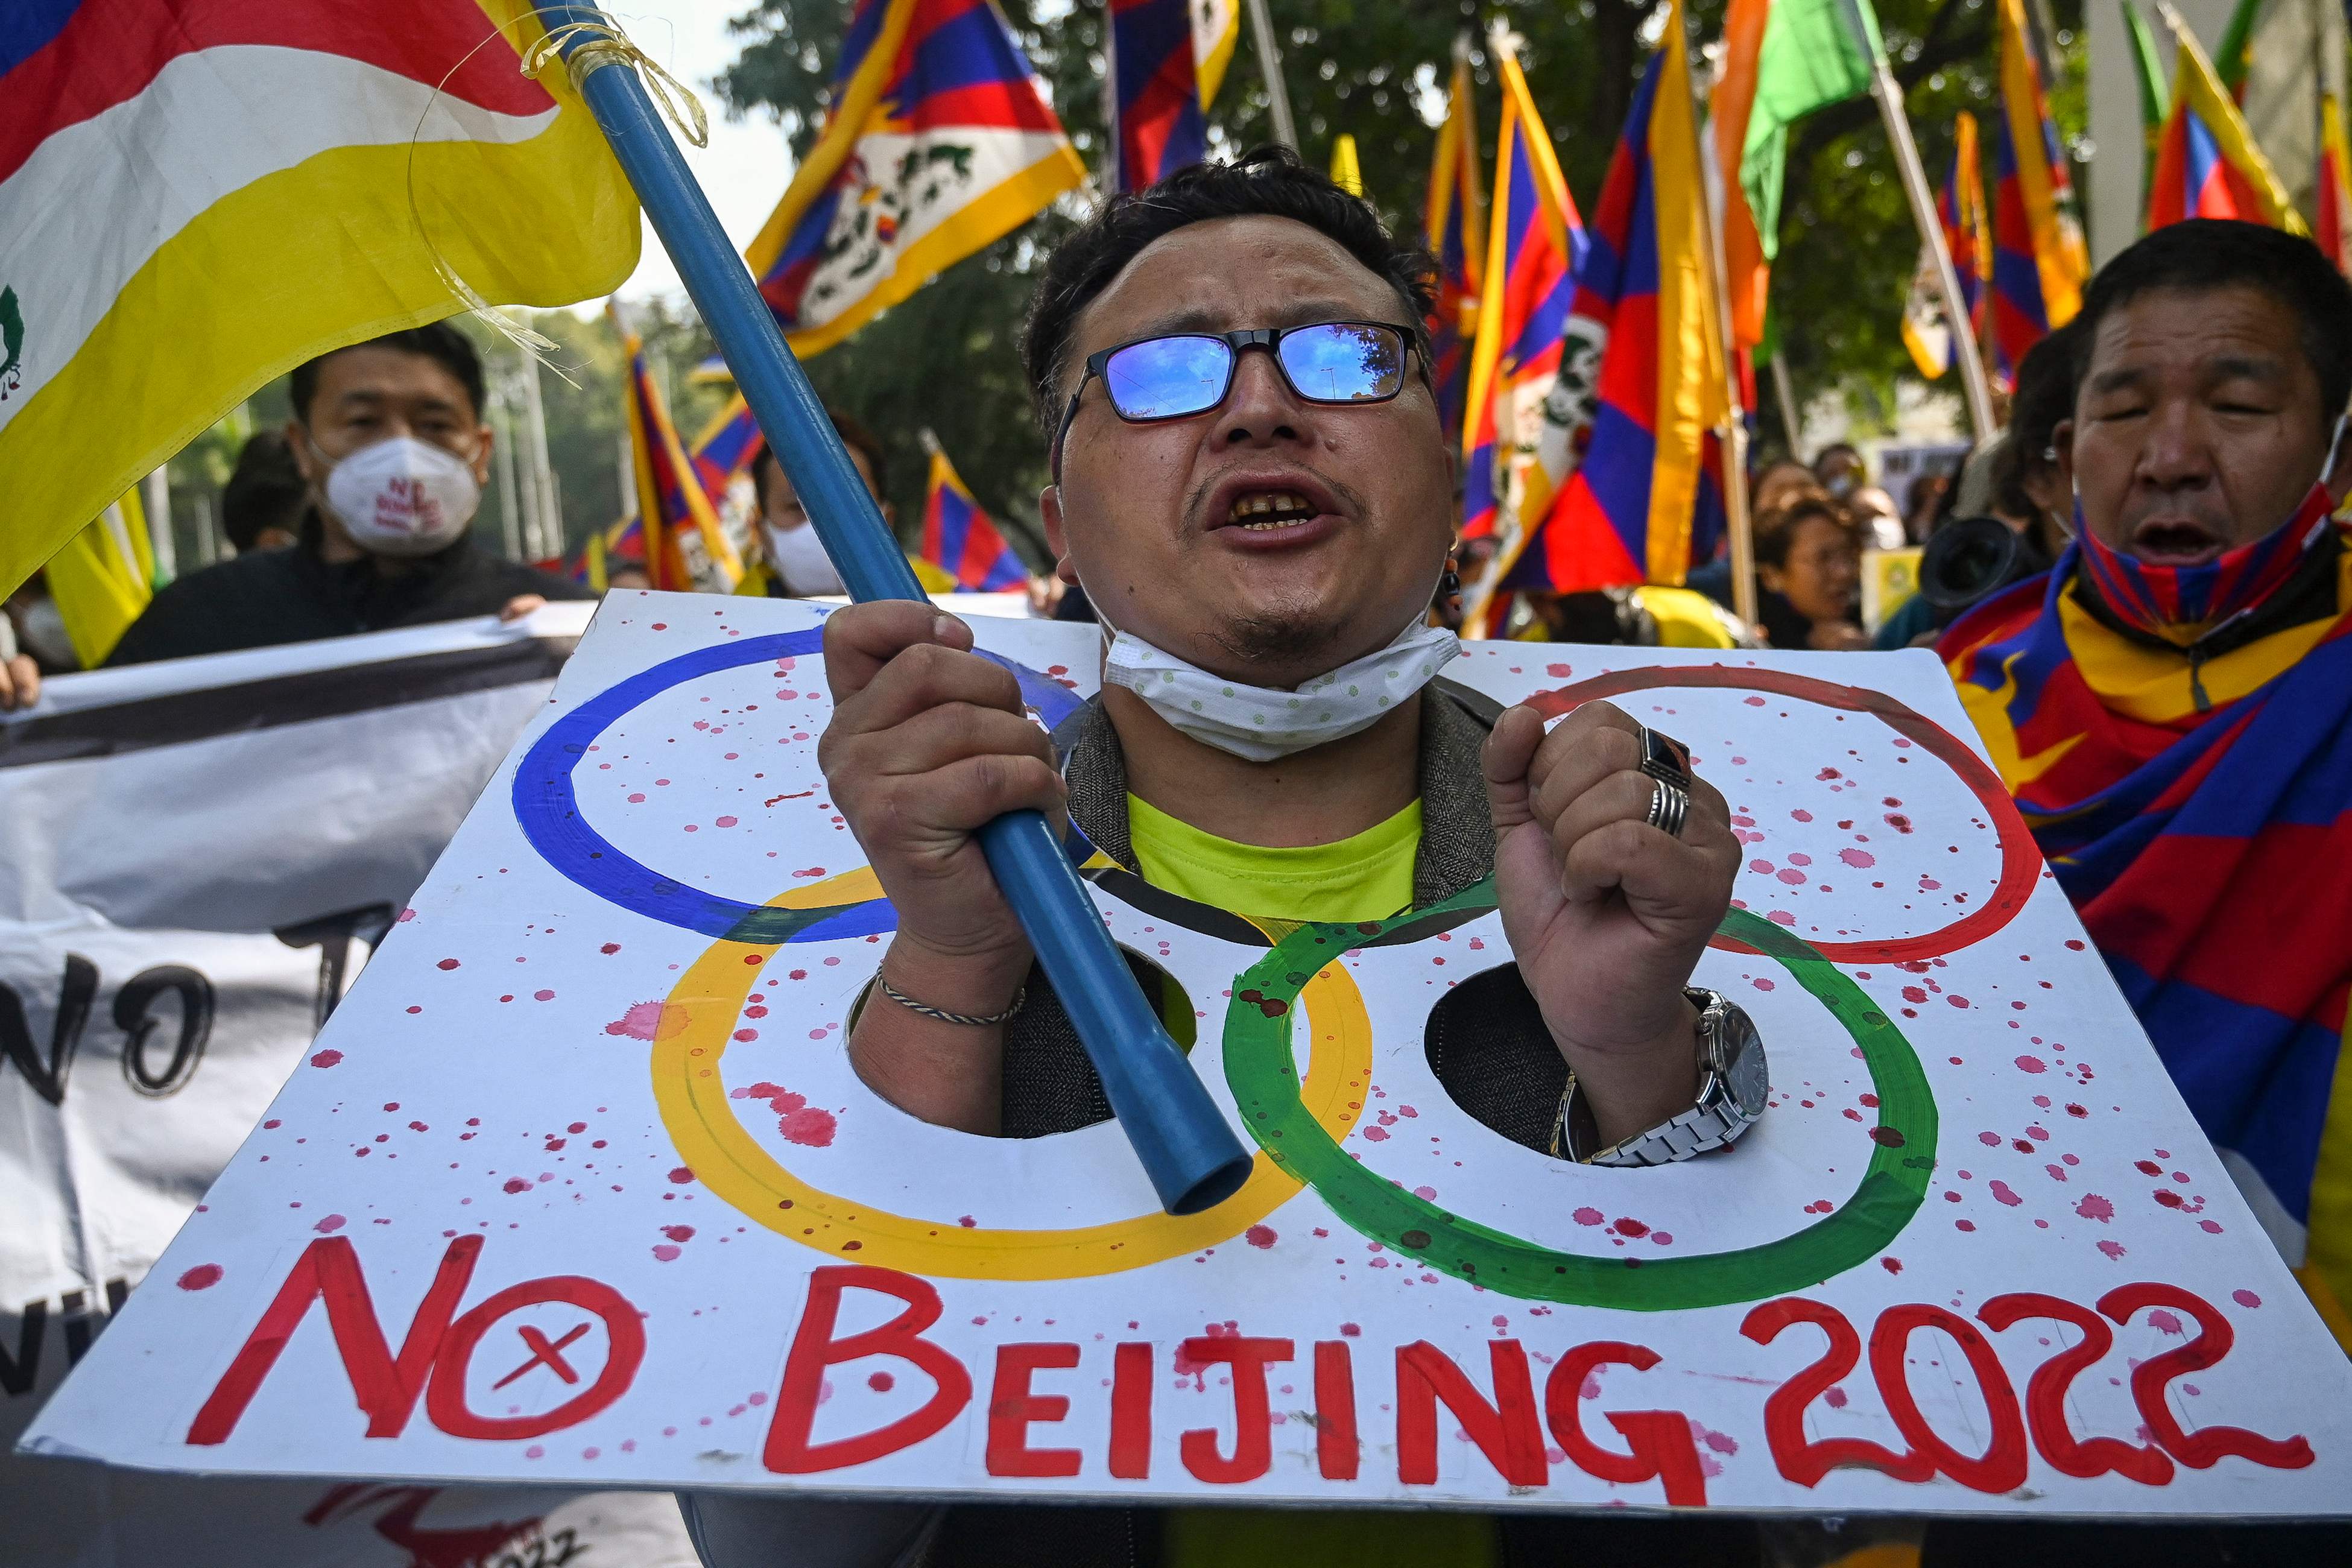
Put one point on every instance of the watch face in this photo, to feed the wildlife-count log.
(1747, 1075)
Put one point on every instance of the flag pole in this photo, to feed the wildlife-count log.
(1732, 433)
(1889, 94)
(1186, 1147)
(1793, 417)
(1269, 63)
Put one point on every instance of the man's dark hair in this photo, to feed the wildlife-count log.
(2044, 398)
(266, 490)
(442, 343)
(1271, 182)
(854, 435)
(1822, 458)
(2220, 253)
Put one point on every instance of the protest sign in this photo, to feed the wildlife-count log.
(195, 859)
(579, 1186)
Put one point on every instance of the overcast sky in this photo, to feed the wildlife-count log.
(746, 167)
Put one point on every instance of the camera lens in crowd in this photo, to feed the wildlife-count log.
(1969, 560)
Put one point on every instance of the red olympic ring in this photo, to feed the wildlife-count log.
(2020, 858)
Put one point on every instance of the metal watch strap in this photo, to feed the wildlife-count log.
(1714, 1122)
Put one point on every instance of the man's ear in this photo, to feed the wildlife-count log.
(1058, 539)
(485, 442)
(306, 460)
(1770, 578)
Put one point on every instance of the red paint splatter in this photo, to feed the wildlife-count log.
(1259, 1236)
(811, 1126)
(2094, 1206)
(2113, 1250)
(1892, 1264)
(666, 1253)
(328, 1225)
(881, 1382)
(543, 996)
(2004, 1194)
(2245, 1299)
(649, 1021)
(1588, 1216)
(446, 964)
(610, 947)
(203, 1277)
(2031, 1064)
(1632, 1227)
(682, 1175)
(678, 1232)
(325, 1058)
(1858, 858)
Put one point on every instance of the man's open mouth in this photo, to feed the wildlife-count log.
(2174, 544)
(1258, 511)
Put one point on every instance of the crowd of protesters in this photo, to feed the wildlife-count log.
(2137, 590)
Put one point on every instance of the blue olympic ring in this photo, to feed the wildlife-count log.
(547, 808)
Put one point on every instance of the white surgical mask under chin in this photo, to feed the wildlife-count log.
(402, 497)
(1260, 724)
(799, 555)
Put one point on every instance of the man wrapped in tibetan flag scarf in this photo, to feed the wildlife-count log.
(1644, 367)
(196, 196)
(939, 142)
(960, 538)
(2171, 706)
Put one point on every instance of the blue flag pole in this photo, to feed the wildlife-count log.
(1187, 1149)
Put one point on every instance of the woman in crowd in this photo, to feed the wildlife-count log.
(1809, 565)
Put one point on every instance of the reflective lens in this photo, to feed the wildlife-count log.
(1167, 378)
(1343, 362)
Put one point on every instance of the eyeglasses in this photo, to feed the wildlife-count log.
(1177, 376)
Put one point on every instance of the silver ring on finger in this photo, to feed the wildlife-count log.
(1669, 807)
(1664, 758)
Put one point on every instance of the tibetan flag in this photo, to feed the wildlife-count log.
(728, 445)
(1347, 173)
(1535, 239)
(940, 142)
(2207, 164)
(958, 539)
(2039, 262)
(1454, 228)
(1168, 58)
(1643, 501)
(684, 548)
(103, 579)
(197, 195)
(2334, 231)
(1968, 235)
(1782, 59)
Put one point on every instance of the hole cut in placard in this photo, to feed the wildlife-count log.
(1489, 1050)
(1049, 1072)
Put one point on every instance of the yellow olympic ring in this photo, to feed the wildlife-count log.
(692, 1098)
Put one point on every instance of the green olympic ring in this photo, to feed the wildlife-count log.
(1265, 1080)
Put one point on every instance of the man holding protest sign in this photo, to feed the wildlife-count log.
(1256, 529)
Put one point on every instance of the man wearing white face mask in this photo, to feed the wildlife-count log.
(792, 563)
(389, 435)
(1252, 484)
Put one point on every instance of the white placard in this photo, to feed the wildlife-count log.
(582, 1182)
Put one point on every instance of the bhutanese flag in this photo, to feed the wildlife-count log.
(959, 538)
(197, 195)
(1782, 59)
(1535, 238)
(102, 579)
(939, 142)
(2334, 230)
(2039, 262)
(1960, 210)
(1167, 60)
(2207, 164)
(1643, 501)
(1453, 226)
(684, 548)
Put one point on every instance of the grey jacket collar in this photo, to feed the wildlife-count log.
(1457, 835)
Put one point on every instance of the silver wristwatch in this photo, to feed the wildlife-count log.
(1730, 1097)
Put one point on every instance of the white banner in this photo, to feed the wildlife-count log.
(580, 1186)
(195, 858)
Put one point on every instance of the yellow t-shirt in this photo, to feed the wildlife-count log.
(1367, 876)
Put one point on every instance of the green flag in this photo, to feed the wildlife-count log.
(2149, 69)
(1782, 59)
